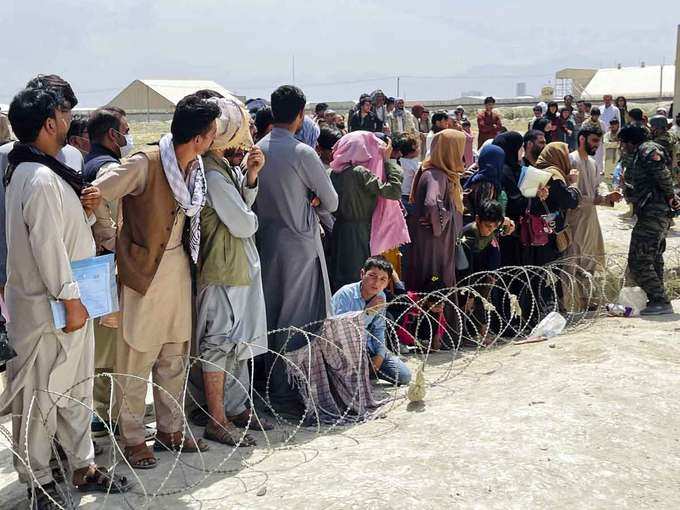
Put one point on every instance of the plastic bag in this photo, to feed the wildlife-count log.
(633, 297)
(552, 325)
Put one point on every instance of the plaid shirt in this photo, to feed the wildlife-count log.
(331, 372)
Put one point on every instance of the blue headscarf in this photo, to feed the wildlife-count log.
(491, 160)
(309, 132)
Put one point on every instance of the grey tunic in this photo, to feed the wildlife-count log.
(234, 314)
(294, 270)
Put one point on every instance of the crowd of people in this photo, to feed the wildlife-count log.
(246, 227)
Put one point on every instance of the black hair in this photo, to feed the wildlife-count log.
(587, 105)
(287, 103)
(595, 111)
(102, 120)
(406, 143)
(489, 100)
(438, 117)
(263, 119)
(328, 137)
(390, 100)
(466, 122)
(365, 99)
(29, 110)
(532, 135)
(78, 127)
(193, 117)
(538, 108)
(540, 124)
(568, 96)
(490, 210)
(614, 121)
(589, 129)
(321, 107)
(208, 94)
(66, 97)
(632, 134)
(565, 109)
(636, 114)
(625, 102)
(378, 262)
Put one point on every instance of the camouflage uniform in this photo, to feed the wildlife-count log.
(671, 145)
(627, 159)
(649, 187)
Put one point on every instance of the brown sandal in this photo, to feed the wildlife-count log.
(227, 434)
(171, 442)
(140, 457)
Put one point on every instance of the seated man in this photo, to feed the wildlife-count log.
(368, 294)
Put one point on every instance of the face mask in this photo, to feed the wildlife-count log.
(126, 149)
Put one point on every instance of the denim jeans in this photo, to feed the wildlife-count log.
(394, 370)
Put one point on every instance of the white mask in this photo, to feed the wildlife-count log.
(126, 149)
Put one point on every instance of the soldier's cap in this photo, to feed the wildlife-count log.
(659, 122)
(632, 134)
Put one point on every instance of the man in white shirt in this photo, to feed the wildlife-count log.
(609, 111)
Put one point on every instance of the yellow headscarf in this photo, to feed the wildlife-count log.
(555, 159)
(446, 154)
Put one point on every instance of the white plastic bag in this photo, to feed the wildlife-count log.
(552, 325)
(634, 297)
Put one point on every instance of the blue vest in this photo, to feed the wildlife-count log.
(95, 159)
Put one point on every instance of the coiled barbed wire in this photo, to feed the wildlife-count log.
(484, 310)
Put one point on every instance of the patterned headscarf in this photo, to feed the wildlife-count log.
(233, 125)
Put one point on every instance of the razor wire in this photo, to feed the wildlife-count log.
(484, 310)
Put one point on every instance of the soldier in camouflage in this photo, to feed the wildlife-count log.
(670, 144)
(650, 189)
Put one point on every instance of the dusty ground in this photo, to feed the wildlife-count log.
(588, 420)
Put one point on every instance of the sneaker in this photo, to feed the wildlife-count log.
(657, 309)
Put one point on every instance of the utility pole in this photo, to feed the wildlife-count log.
(676, 97)
(663, 61)
(293, 69)
(398, 78)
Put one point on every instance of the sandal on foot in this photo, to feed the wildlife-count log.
(248, 420)
(171, 442)
(39, 497)
(227, 434)
(100, 480)
(140, 457)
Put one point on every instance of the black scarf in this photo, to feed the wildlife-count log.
(24, 153)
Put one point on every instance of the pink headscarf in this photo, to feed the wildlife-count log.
(388, 226)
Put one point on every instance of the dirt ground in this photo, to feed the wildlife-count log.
(586, 420)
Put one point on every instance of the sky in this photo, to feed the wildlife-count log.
(341, 48)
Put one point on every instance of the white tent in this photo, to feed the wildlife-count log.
(160, 96)
(632, 82)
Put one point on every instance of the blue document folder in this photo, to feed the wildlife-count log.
(96, 279)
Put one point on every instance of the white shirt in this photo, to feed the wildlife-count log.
(410, 167)
(607, 114)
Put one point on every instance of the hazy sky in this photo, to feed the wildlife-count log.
(341, 48)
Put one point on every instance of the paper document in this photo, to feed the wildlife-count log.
(96, 279)
(531, 179)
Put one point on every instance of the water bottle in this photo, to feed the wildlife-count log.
(619, 310)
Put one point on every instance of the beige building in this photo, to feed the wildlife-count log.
(156, 99)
